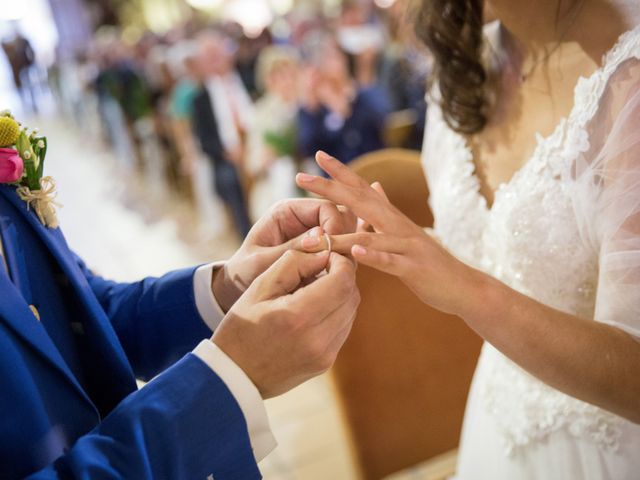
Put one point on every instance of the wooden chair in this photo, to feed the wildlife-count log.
(403, 375)
(398, 127)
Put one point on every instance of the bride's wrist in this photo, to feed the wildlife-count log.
(479, 295)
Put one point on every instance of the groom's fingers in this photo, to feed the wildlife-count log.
(311, 237)
(288, 272)
(297, 216)
(335, 328)
(329, 292)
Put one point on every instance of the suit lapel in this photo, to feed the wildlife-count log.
(97, 328)
(15, 264)
(15, 311)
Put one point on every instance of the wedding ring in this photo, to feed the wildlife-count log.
(328, 238)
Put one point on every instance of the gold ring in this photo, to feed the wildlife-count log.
(328, 237)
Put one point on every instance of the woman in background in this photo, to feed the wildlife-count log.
(272, 132)
(337, 115)
(532, 154)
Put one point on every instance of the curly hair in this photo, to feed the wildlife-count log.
(452, 30)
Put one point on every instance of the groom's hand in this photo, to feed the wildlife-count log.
(280, 230)
(290, 324)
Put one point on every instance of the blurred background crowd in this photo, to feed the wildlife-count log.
(212, 106)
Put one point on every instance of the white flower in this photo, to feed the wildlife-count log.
(40, 143)
(26, 155)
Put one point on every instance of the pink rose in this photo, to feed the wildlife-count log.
(11, 165)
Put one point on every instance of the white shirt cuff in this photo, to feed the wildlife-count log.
(246, 394)
(206, 303)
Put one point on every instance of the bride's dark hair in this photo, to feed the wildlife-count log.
(452, 30)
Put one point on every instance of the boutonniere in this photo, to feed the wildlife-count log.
(22, 154)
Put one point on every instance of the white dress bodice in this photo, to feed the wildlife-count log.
(533, 240)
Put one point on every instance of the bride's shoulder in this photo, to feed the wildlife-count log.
(621, 91)
(627, 47)
(618, 81)
(621, 65)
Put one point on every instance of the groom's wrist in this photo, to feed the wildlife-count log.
(224, 289)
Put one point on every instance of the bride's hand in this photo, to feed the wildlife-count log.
(398, 246)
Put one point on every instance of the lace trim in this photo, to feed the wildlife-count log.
(589, 91)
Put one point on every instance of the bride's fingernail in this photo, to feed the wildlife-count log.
(305, 178)
(359, 250)
(310, 242)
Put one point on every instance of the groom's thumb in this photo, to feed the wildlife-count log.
(289, 272)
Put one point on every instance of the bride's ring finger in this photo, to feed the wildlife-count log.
(343, 244)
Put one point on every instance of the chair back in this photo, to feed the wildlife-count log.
(403, 375)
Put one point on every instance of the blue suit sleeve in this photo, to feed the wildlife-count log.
(156, 319)
(185, 424)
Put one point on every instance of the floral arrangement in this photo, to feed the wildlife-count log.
(22, 154)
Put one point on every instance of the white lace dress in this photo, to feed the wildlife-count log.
(566, 232)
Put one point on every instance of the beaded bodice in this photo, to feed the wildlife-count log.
(529, 239)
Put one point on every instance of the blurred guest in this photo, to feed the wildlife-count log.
(272, 137)
(337, 115)
(194, 166)
(404, 78)
(362, 38)
(247, 60)
(161, 81)
(221, 113)
(21, 58)
(122, 80)
(404, 71)
(184, 62)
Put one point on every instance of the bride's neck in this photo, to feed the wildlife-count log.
(594, 24)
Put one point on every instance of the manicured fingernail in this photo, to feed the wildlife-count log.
(310, 242)
(359, 250)
(305, 178)
(315, 232)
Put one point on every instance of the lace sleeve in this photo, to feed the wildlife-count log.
(607, 198)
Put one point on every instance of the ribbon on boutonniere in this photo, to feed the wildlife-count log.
(22, 155)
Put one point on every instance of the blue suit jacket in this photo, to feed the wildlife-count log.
(55, 423)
